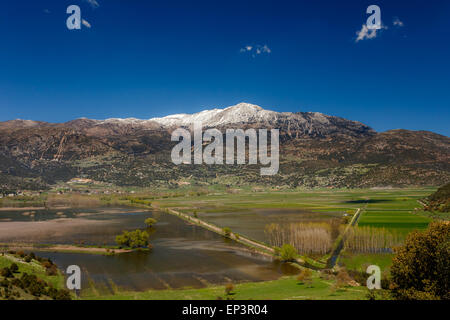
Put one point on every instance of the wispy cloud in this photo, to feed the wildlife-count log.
(85, 23)
(93, 3)
(256, 50)
(396, 22)
(46, 11)
(367, 34)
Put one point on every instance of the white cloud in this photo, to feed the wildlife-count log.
(397, 22)
(366, 33)
(85, 23)
(46, 11)
(246, 48)
(256, 50)
(93, 3)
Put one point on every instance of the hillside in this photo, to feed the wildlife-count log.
(316, 150)
(440, 200)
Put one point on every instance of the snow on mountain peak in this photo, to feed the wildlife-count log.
(242, 112)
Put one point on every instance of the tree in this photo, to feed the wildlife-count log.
(133, 239)
(226, 231)
(421, 268)
(150, 222)
(6, 272)
(288, 252)
(14, 268)
(305, 276)
(229, 288)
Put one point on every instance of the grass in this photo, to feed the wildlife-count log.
(360, 262)
(286, 288)
(33, 267)
(393, 209)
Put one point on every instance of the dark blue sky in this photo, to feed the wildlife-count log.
(152, 58)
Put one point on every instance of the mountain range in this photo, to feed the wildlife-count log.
(316, 150)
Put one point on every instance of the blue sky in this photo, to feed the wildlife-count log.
(152, 58)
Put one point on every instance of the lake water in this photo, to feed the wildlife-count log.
(252, 223)
(183, 255)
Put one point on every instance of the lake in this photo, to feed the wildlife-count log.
(183, 255)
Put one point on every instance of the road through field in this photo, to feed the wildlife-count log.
(340, 244)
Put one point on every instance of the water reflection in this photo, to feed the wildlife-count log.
(183, 255)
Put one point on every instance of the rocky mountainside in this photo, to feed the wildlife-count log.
(439, 200)
(315, 150)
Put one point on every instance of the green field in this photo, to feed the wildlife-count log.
(400, 221)
(396, 210)
(33, 267)
(287, 288)
(317, 200)
(360, 262)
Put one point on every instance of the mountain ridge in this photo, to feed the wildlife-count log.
(316, 150)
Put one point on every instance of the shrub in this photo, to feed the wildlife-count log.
(288, 252)
(304, 276)
(150, 222)
(52, 270)
(421, 267)
(6, 272)
(14, 268)
(229, 287)
(226, 231)
(343, 278)
(133, 239)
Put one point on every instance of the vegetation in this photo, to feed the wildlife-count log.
(421, 267)
(371, 240)
(150, 222)
(440, 200)
(388, 215)
(283, 288)
(226, 231)
(22, 278)
(305, 276)
(288, 253)
(229, 291)
(306, 238)
(133, 239)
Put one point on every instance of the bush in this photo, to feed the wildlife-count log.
(14, 268)
(304, 276)
(288, 253)
(150, 222)
(343, 278)
(421, 267)
(229, 287)
(6, 272)
(133, 239)
(226, 231)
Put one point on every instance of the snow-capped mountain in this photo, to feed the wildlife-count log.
(241, 115)
(315, 150)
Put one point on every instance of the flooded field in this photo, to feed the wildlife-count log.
(182, 255)
(252, 223)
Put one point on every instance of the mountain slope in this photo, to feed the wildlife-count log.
(440, 200)
(315, 150)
